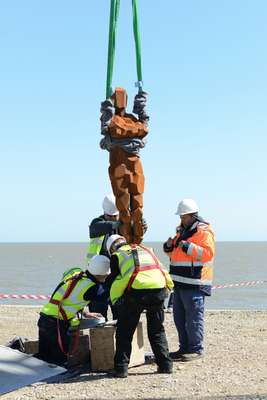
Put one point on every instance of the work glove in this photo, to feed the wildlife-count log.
(144, 225)
(168, 245)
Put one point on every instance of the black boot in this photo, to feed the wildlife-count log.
(120, 373)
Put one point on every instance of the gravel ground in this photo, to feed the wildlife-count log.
(234, 366)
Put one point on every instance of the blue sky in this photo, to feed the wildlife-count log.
(204, 66)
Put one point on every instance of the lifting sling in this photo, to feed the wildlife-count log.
(113, 19)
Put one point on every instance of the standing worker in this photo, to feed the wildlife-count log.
(59, 318)
(99, 230)
(191, 254)
(102, 227)
(140, 283)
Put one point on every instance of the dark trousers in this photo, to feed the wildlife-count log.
(49, 349)
(151, 300)
(188, 314)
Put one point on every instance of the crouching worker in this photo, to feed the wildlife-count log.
(60, 317)
(140, 283)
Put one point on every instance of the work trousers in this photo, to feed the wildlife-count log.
(49, 349)
(151, 300)
(188, 314)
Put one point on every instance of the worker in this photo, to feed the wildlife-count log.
(99, 230)
(140, 283)
(191, 254)
(59, 318)
(102, 227)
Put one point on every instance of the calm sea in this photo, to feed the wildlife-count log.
(36, 268)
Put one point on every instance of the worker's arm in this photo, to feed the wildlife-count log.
(99, 227)
(204, 249)
(96, 293)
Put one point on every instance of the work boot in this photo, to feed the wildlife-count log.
(120, 373)
(165, 370)
(190, 356)
(177, 355)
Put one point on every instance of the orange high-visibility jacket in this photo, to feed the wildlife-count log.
(194, 268)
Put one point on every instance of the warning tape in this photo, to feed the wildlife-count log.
(44, 297)
(24, 296)
(233, 285)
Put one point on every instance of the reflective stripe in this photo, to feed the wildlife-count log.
(199, 253)
(190, 281)
(97, 240)
(209, 264)
(187, 264)
(90, 255)
(73, 298)
(190, 249)
(72, 309)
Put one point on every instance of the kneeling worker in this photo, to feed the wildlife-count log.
(59, 319)
(140, 283)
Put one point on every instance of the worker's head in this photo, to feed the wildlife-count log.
(114, 242)
(111, 212)
(120, 99)
(99, 266)
(187, 210)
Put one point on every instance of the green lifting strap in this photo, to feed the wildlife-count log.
(113, 19)
(137, 45)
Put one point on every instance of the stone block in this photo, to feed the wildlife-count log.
(103, 347)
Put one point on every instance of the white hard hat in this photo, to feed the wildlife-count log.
(99, 265)
(187, 206)
(109, 205)
(112, 239)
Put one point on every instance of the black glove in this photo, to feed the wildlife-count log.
(144, 225)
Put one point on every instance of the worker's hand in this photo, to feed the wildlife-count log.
(169, 242)
(144, 225)
(87, 314)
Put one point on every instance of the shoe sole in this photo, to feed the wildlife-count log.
(190, 359)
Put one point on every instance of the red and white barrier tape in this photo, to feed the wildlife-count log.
(24, 296)
(233, 285)
(44, 297)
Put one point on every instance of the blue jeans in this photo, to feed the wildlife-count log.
(188, 314)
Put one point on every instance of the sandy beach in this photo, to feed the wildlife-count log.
(234, 366)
